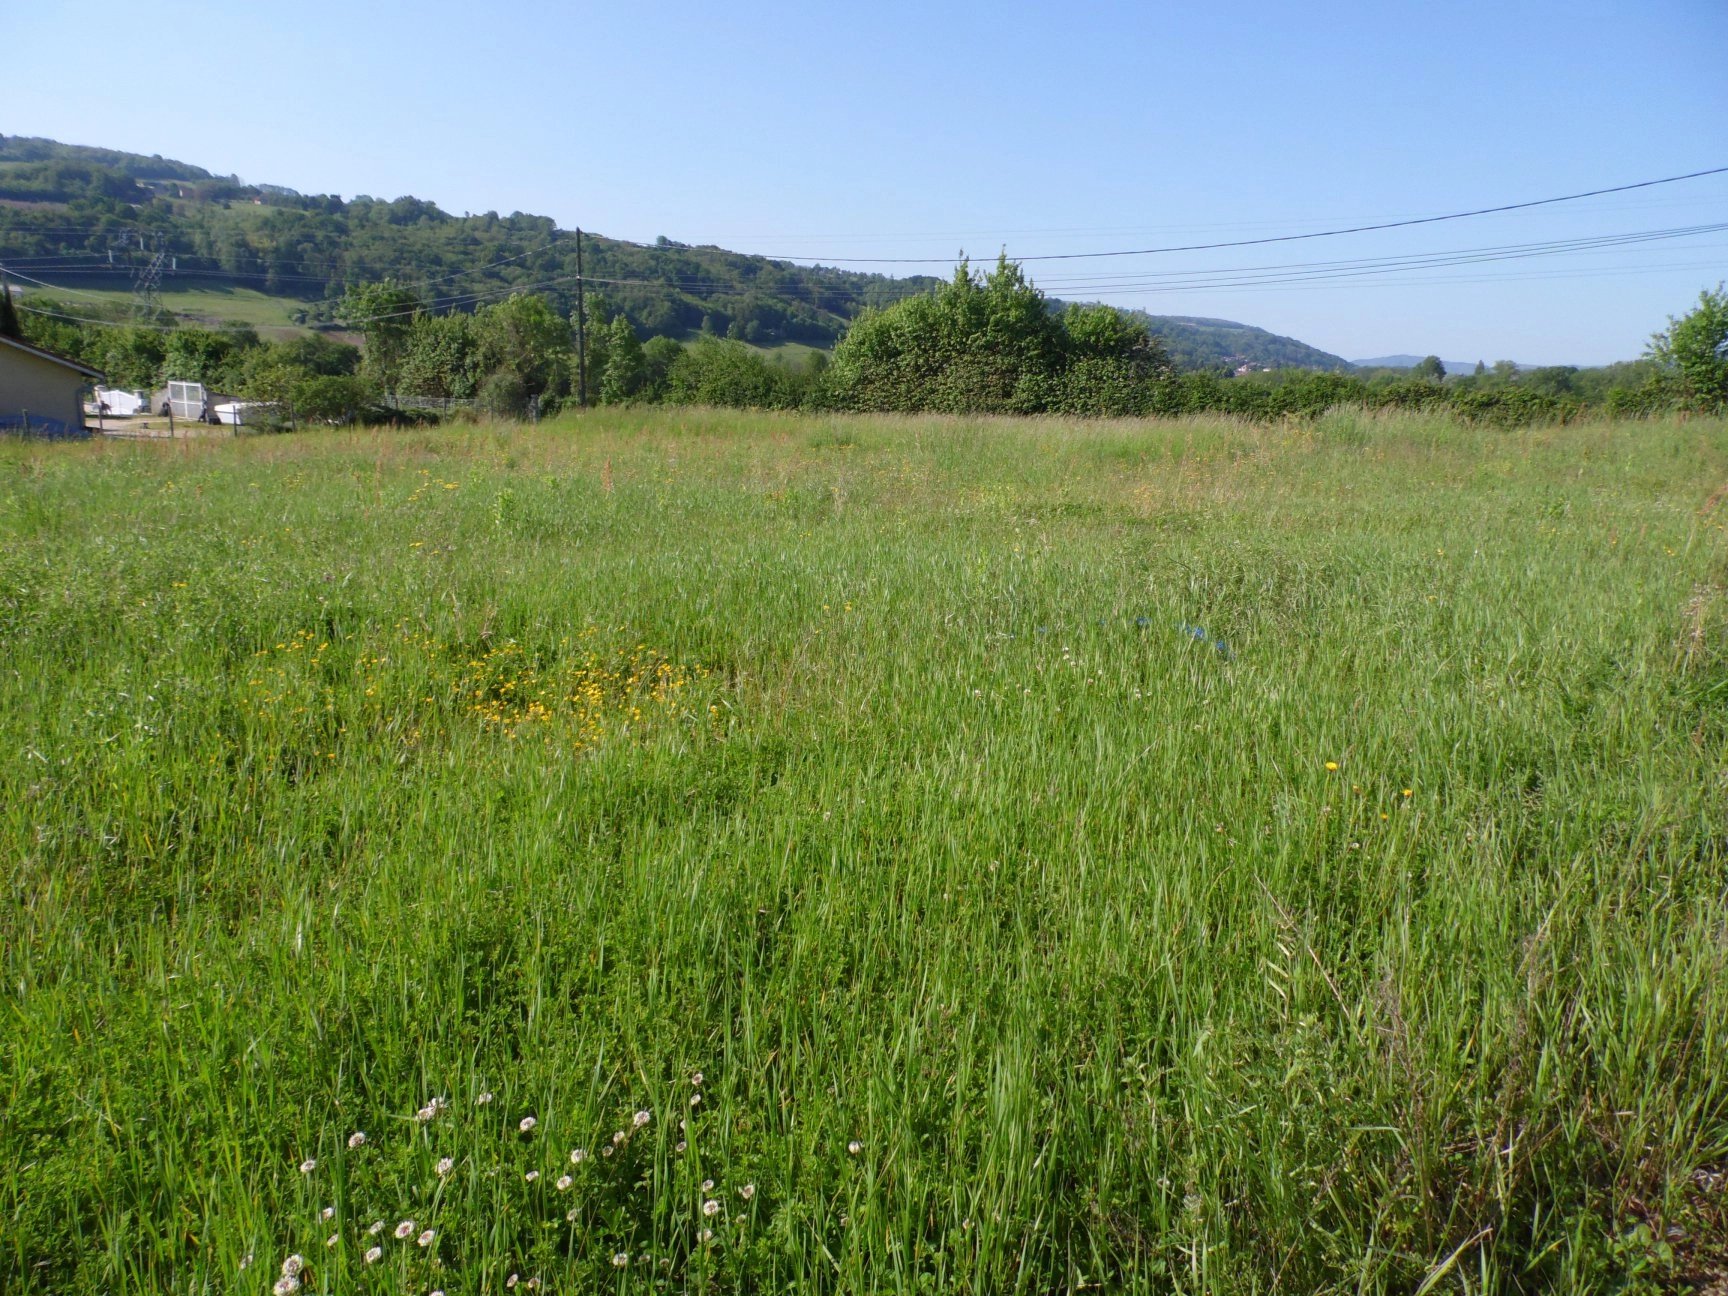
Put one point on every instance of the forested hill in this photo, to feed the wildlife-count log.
(1198, 343)
(93, 218)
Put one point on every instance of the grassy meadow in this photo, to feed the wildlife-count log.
(708, 852)
(271, 315)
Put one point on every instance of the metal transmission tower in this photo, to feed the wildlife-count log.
(147, 282)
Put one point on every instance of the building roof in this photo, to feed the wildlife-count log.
(53, 357)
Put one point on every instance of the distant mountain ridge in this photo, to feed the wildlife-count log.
(74, 217)
(1197, 342)
(1411, 361)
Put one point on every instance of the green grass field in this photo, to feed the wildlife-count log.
(272, 316)
(897, 855)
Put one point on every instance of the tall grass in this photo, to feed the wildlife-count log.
(1175, 856)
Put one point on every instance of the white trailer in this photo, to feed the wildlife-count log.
(121, 404)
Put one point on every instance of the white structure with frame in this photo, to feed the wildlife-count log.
(186, 399)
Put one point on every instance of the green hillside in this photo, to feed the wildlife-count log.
(1195, 342)
(98, 221)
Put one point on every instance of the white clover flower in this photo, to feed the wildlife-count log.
(246, 1261)
(564, 1182)
(641, 1118)
(332, 1240)
(680, 1145)
(695, 1100)
(706, 1235)
(526, 1124)
(445, 1166)
(425, 1239)
(286, 1285)
(405, 1229)
(374, 1254)
(710, 1208)
(424, 1115)
(329, 1212)
(606, 1151)
(578, 1155)
(512, 1280)
(747, 1191)
(531, 1176)
(619, 1137)
(436, 1291)
(707, 1185)
(357, 1139)
(376, 1228)
(854, 1147)
(483, 1099)
(292, 1266)
(308, 1165)
(621, 1259)
(570, 1215)
(696, 1079)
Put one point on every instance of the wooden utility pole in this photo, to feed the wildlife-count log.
(581, 330)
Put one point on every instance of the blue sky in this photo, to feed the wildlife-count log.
(915, 130)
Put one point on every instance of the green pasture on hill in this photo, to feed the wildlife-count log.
(688, 851)
(204, 307)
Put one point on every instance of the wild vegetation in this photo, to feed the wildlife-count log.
(697, 851)
(980, 343)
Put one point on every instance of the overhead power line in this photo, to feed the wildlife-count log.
(1279, 238)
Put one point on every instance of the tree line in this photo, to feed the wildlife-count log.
(980, 343)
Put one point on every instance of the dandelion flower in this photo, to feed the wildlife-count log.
(308, 1165)
(710, 1207)
(357, 1138)
(526, 1124)
(578, 1155)
(1332, 765)
(621, 1259)
(286, 1285)
(425, 1239)
(641, 1118)
(747, 1191)
(854, 1147)
(445, 1166)
(405, 1229)
(374, 1254)
(1409, 792)
(292, 1266)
